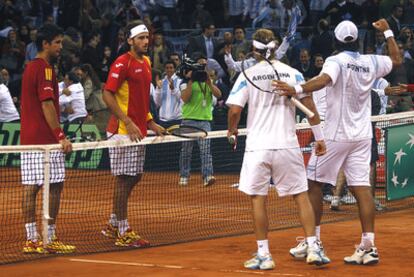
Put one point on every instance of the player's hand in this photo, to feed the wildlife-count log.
(66, 92)
(171, 83)
(157, 129)
(320, 147)
(381, 25)
(227, 49)
(396, 90)
(232, 138)
(133, 131)
(283, 89)
(66, 145)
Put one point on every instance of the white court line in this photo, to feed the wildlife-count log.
(179, 267)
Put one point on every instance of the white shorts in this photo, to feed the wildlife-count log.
(32, 167)
(126, 160)
(284, 166)
(352, 157)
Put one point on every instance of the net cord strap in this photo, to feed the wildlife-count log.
(46, 193)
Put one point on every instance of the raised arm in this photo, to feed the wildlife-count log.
(393, 51)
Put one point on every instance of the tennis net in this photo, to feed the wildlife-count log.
(159, 209)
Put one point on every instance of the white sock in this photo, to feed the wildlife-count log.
(31, 231)
(263, 247)
(367, 241)
(318, 232)
(51, 232)
(311, 241)
(113, 220)
(123, 226)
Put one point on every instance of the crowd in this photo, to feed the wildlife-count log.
(95, 34)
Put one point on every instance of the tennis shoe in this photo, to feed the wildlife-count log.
(33, 247)
(363, 257)
(110, 231)
(313, 256)
(327, 198)
(260, 262)
(300, 251)
(209, 180)
(348, 199)
(335, 203)
(378, 206)
(183, 181)
(56, 246)
(131, 239)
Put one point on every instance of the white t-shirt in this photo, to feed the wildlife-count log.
(348, 97)
(8, 111)
(271, 118)
(76, 99)
(319, 98)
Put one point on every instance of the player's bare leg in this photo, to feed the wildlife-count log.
(316, 197)
(339, 186)
(123, 188)
(366, 207)
(29, 202)
(263, 259)
(306, 214)
(54, 201)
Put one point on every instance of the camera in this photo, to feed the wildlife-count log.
(198, 74)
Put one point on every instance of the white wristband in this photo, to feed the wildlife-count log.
(388, 33)
(298, 88)
(317, 132)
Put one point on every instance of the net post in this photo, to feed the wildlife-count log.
(45, 198)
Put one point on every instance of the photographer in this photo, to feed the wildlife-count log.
(197, 95)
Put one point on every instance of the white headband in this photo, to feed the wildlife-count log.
(261, 46)
(138, 30)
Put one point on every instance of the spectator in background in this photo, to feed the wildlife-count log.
(200, 15)
(339, 10)
(252, 9)
(159, 52)
(106, 63)
(31, 49)
(402, 74)
(167, 97)
(379, 43)
(234, 12)
(322, 42)
(318, 62)
(197, 94)
(24, 34)
(304, 66)
(204, 43)
(316, 9)
(72, 99)
(119, 43)
(12, 54)
(166, 9)
(240, 43)
(91, 54)
(408, 12)
(8, 111)
(287, 9)
(175, 57)
(126, 13)
(370, 12)
(394, 19)
(270, 16)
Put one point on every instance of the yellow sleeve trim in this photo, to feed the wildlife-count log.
(148, 60)
(149, 117)
(48, 74)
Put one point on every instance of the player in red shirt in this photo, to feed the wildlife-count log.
(126, 94)
(40, 125)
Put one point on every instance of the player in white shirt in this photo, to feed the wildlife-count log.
(167, 97)
(72, 102)
(272, 149)
(348, 77)
(8, 111)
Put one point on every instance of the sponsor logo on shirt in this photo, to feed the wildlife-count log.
(241, 85)
(115, 75)
(358, 68)
(119, 65)
(48, 88)
(138, 70)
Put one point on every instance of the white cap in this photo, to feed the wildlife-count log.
(138, 30)
(346, 31)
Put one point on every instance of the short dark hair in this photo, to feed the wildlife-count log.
(238, 27)
(350, 46)
(198, 55)
(73, 77)
(48, 33)
(169, 62)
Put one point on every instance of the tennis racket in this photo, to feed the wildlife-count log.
(185, 131)
(295, 101)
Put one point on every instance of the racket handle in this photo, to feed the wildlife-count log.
(302, 107)
(232, 139)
